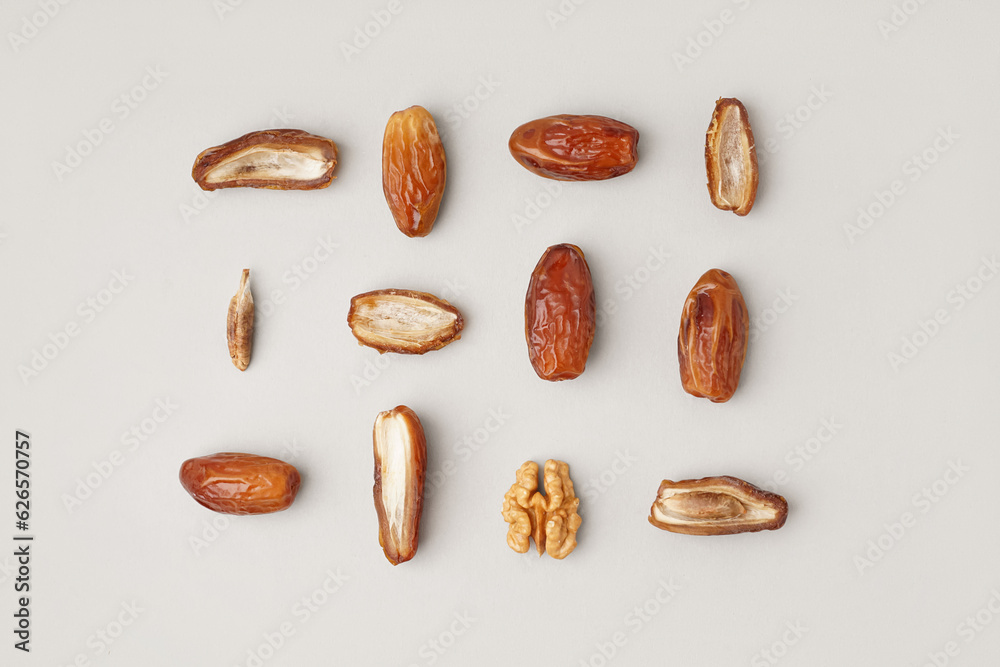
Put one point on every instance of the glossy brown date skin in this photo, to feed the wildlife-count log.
(716, 506)
(714, 332)
(731, 158)
(233, 483)
(560, 314)
(400, 468)
(576, 148)
(271, 159)
(414, 170)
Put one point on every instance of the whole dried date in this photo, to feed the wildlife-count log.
(550, 519)
(716, 506)
(239, 324)
(576, 148)
(273, 159)
(731, 158)
(413, 170)
(400, 467)
(712, 343)
(403, 321)
(560, 314)
(240, 483)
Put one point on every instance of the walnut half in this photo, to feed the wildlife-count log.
(552, 521)
(716, 506)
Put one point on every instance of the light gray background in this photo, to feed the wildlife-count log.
(826, 357)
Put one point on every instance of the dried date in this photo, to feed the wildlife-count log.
(272, 159)
(731, 158)
(233, 483)
(713, 338)
(575, 148)
(560, 314)
(716, 506)
(414, 170)
(403, 321)
(400, 467)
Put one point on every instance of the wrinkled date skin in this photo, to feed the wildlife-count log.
(400, 469)
(712, 343)
(232, 483)
(716, 506)
(413, 170)
(576, 148)
(271, 159)
(560, 314)
(731, 158)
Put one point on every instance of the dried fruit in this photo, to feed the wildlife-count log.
(239, 324)
(712, 343)
(716, 506)
(240, 483)
(403, 321)
(576, 148)
(730, 158)
(560, 313)
(400, 466)
(551, 521)
(413, 170)
(273, 159)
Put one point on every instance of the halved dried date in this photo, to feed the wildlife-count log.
(403, 321)
(731, 158)
(560, 313)
(273, 159)
(716, 506)
(576, 148)
(400, 467)
(712, 343)
(233, 483)
(413, 170)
